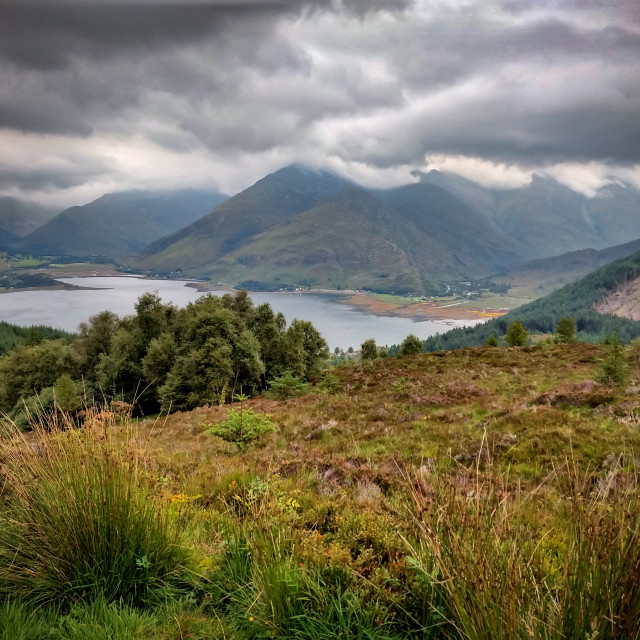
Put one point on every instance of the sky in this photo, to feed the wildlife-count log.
(103, 96)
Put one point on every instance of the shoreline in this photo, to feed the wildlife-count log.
(420, 311)
(365, 302)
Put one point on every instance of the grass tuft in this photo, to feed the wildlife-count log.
(79, 521)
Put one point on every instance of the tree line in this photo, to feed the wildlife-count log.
(163, 357)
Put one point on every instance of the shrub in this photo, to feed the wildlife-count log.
(242, 427)
(491, 341)
(369, 351)
(411, 346)
(614, 369)
(287, 386)
(517, 335)
(566, 330)
(79, 522)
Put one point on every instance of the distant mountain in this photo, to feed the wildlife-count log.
(271, 201)
(19, 218)
(353, 241)
(444, 227)
(547, 218)
(615, 213)
(471, 193)
(120, 224)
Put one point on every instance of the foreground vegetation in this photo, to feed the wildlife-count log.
(481, 493)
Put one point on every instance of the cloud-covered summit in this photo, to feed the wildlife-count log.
(101, 96)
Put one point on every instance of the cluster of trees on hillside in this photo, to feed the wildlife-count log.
(12, 336)
(575, 300)
(163, 357)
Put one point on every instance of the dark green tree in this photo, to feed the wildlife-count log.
(517, 335)
(491, 341)
(613, 370)
(369, 351)
(411, 346)
(566, 330)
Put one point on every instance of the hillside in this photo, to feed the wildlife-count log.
(540, 277)
(353, 241)
(467, 232)
(20, 217)
(577, 300)
(450, 496)
(271, 201)
(547, 218)
(119, 224)
(479, 246)
(292, 228)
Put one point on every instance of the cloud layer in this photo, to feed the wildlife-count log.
(98, 96)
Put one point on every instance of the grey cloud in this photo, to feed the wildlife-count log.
(43, 178)
(251, 77)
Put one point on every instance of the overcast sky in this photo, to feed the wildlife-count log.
(106, 96)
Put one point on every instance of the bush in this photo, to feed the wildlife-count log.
(566, 330)
(614, 369)
(80, 522)
(287, 386)
(369, 351)
(242, 427)
(491, 341)
(411, 346)
(517, 335)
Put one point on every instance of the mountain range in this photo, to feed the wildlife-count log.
(119, 224)
(302, 227)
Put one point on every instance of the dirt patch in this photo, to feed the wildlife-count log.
(576, 394)
(624, 303)
(419, 310)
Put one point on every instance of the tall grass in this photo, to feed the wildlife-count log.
(518, 567)
(79, 520)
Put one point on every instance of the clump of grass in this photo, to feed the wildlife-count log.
(508, 574)
(79, 521)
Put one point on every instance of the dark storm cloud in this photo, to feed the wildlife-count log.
(381, 82)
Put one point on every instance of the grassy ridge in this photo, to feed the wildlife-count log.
(480, 493)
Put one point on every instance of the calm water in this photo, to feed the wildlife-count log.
(341, 325)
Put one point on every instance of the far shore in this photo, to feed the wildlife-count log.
(418, 311)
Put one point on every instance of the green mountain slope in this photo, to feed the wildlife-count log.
(479, 245)
(272, 200)
(353, 241)
(540, 277)
(120, 224)
(576, 300)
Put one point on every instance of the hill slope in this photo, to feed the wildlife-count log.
(540, 277)
(120, 224)
(353, 241)
(272, 200)
(20, 217)
(478, 244)
(577, 300)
